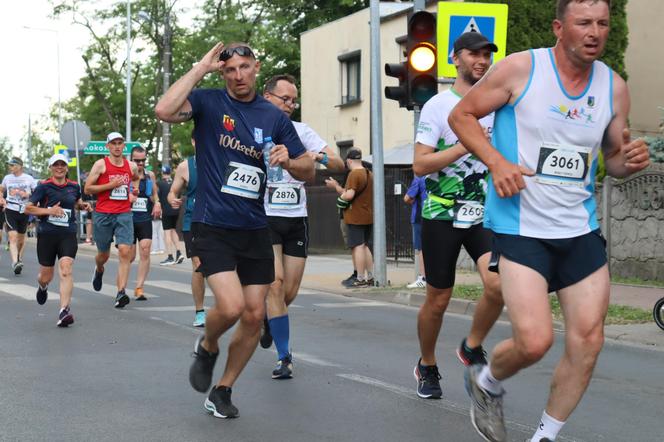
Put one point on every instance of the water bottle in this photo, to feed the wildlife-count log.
(274, 173)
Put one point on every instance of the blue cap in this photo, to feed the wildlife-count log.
(166, 169)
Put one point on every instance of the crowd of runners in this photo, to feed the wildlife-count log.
(505, 175)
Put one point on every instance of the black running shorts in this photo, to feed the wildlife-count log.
(359, 234)
(562, 262)
(291, 233)
(16, 221)
(169, 222)
(441, 244)
(189, 247)
(142, 231)
(248, 252)
(51, 247)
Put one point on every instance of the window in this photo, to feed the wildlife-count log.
(350, 77)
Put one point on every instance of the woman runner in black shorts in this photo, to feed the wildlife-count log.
(54, 201)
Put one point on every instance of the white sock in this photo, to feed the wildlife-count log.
(43, 287)
(488, 382)
(548, 428)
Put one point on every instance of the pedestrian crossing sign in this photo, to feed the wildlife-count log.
(455, 18)
(64, 150)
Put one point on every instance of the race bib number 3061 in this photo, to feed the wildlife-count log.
(243, 180)
(563, 165)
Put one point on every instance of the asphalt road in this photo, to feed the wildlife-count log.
(122, 375)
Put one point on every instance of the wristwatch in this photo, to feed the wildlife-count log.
(324, 160)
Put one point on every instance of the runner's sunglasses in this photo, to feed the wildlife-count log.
(242, 51)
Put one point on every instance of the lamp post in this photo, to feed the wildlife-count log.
(166, 81)
(128, 86)
(57, 45)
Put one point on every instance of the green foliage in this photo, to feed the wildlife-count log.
(529, 26)
(656, 143)
(5, 151)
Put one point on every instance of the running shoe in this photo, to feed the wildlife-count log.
(428, 381)
(121, 299)
(486, 409)
(219, 403)
(284, 368)
(419, 283)
(179, 258)
(138, 293)
(200, 372)
(266, 336)
(169, 261)
(42, 294)
(471, 356)
(65, 318)
(97, 280)
(17, 267)
(199, 319)
(349, 281)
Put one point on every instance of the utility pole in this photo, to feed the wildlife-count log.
(128, 85)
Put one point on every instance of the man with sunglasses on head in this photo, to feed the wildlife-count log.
(19, 186)
(286, 208)
(230, 227)
(144, 207)
(110, 179)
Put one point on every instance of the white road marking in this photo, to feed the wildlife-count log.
(173, 308)
(196, 331)
(450, 406)
(353, 304)
(175, 286)
(109, 290)
(24, 291)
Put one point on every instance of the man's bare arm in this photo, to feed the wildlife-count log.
(177, 185)
(91, 186)
(622, 155)
(503, 83)
(173, 107)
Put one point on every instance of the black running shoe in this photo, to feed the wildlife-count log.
(65, 318)
(428, 381)
(219, 403)
(471, 356)
(200, 373)
(284, 369)
(121, 299)
(348, 282)
(179, 258)
(18, 267)
(97, 280)
(266, 336)
(42, 294)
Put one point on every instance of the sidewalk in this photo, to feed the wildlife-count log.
(325, 273)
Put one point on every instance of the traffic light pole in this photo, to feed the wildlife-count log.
(379, 230)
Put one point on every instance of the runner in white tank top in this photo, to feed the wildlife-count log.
(554, 109)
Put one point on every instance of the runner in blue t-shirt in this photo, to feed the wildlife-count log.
(229, 221)
(186, 178)
(54, 201)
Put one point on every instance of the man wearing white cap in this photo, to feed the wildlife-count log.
(19, 187)
(110, 180)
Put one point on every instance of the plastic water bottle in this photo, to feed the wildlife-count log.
(274, 173)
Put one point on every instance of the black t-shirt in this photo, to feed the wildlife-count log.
(47, 194)
(164, 186)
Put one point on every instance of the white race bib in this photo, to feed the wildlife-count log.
(563, 164)
(120, 193)
(61, 220)
(243, 180)
(140, 205)
(467, 214)
(284, 196)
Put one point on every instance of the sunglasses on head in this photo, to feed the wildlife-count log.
(242, 51)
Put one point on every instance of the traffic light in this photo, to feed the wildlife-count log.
(422, 58)
(399, 93)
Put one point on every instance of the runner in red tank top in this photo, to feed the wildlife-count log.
(110, 179)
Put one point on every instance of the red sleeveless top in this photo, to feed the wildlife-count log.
(114, 200)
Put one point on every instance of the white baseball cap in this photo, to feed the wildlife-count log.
(114, 136)
(57, 157)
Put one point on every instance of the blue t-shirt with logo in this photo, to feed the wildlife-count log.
(229, 140)
(48, 193)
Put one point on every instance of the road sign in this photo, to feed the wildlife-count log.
(455, 18)
(99, 148)
(61, 148)
(72, 132)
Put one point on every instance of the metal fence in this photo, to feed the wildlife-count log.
(324, 231)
